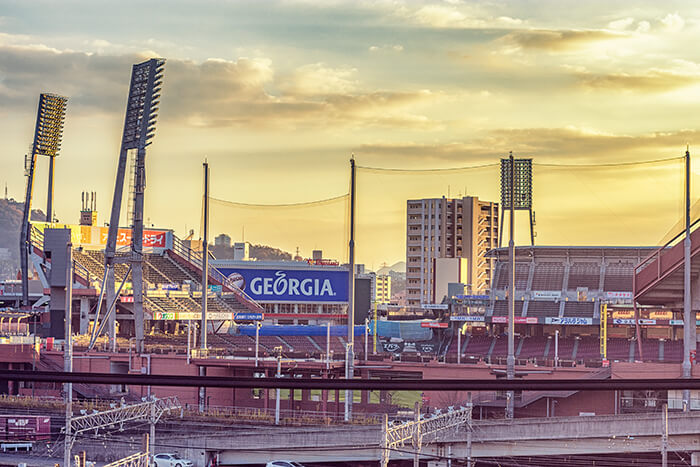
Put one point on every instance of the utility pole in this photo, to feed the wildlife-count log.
(366, 337)
(664, 438)
(205, 285)
(257, 340)
(417, 440)
(328, 345)
(350, 349)
(278, 375)
(152, 432)
(510, 362)
(470, 430)
(68, 355)
(689, 326)
(459, 346)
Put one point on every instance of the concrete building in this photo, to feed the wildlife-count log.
(382, 288)
(448, 228)
(241, 251)
(222, 240)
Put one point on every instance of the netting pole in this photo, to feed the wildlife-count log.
(510, 361)
(350, 353)
(689, 331)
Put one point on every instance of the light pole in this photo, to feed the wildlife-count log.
(47, 142)
(68, 354)
(350, 347)
(139, 129)
(516, 193)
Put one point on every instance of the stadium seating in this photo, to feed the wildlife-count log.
(542, 308)
(478, 346)
(650, 350)
(618, 349)
(566, 348)
(500, 308)
(522, 270)
(579, 309)
(337, 345)
(533, 347)
(618, 277)
(584, 275)
(548, 276)
(501, 347)
(673, 351)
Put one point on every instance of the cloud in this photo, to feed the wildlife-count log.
(454, 15)
(320, 79)
(390, 48)
(621, 24)
(556, 40)
(653, 81)
(673, 22)
(213, 93)
(561, 145)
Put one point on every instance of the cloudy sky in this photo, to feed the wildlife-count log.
(277, 95)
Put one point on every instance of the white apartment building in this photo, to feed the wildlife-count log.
(448, 228)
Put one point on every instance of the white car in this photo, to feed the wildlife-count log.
(283, 464)
(171, 460)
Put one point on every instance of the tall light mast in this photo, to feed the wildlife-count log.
(139, 129)
(47, 142)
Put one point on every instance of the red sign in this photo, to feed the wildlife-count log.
(433, 324)
(154, 239)
(127, 299)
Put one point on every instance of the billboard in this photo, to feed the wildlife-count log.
(290, 285)
(92, 237)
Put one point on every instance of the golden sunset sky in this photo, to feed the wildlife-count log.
(278, 94)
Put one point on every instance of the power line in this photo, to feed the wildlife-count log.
(283, 205)
(446, 169)
(611, 164)
(540, 164)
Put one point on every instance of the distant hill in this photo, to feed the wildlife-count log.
(396, 267)
(259, 252)
(10, 223)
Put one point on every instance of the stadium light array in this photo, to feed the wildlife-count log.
(49, 125)
(522, 183)
(142, 104)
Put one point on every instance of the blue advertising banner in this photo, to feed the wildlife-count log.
(290, 285)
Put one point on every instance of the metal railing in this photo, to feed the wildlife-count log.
(195, 258)
(140, 459)
(656, 256)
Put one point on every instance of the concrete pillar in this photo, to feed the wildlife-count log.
(695, 458)
(84, 319)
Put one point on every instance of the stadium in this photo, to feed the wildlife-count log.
(142, 301)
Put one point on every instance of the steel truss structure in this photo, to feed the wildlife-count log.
(139, 129)
(421, 430)
(140, 459)
(150, 411)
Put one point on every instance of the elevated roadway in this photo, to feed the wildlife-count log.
(490, 439)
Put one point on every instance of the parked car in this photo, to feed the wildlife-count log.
(171, 460)
(283, 464)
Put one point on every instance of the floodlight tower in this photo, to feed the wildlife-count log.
(47, 142)
(139, 129)
(516, 193)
